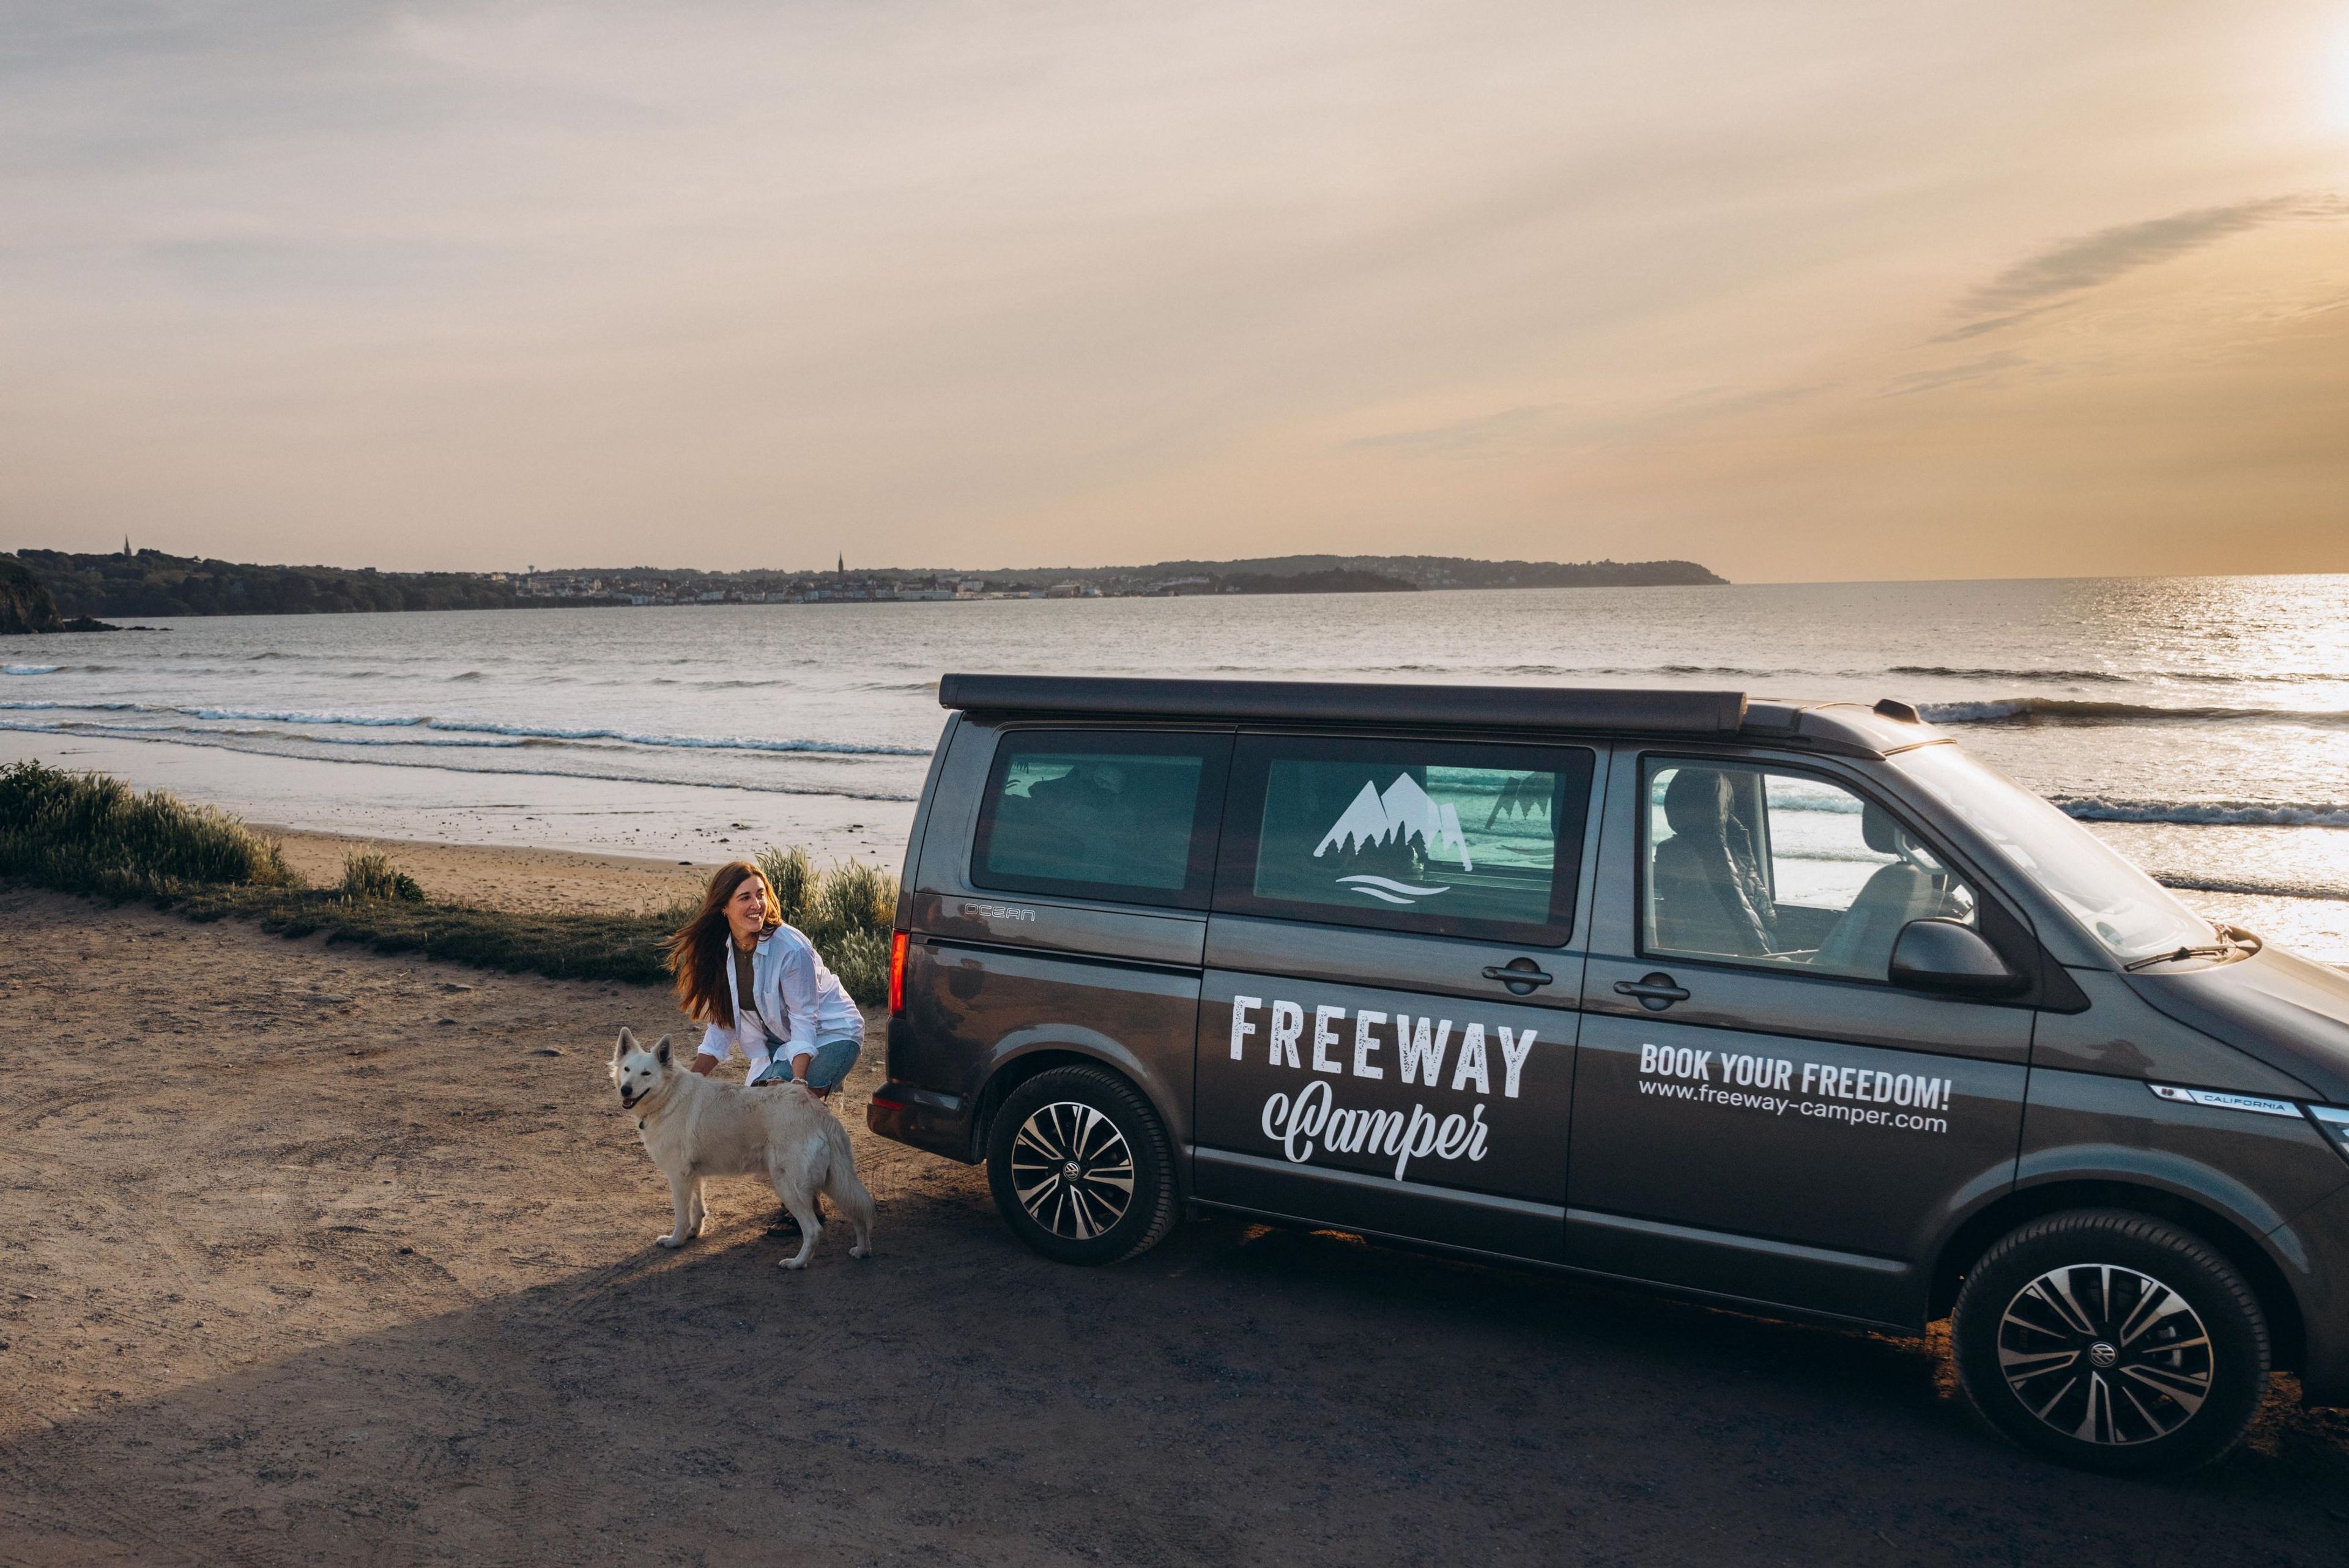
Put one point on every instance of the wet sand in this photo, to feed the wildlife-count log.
(312, 1254)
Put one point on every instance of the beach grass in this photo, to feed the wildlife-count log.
(87, 833)
(371, 873)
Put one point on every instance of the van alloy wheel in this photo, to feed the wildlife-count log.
(2105, 1354)
(1081, 1165)
(1073, 1169)
(2117, 1341)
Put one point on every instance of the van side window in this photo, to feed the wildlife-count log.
(1102, 815)
(1455, 839)
(1782, 869)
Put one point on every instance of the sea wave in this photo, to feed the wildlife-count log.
(2067, 710)
(2114, 678)
(686, 742)
(227, 740)
(1957, 672)
(173, 731)
(2254, 887)
(520, 732)
(72, 707)
(266, 715)
(2205, 813)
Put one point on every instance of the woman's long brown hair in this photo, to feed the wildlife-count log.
(697, 954)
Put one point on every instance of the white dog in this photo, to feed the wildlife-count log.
(696, 1127)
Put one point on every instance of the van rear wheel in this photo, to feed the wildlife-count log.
(2112, 1341)
(1081, 1166)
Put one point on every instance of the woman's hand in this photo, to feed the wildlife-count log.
(705, 1064)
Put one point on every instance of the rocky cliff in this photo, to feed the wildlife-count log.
(24, 603)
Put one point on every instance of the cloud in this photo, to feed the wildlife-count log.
(2032, 287)
(1951, 375)
(1461, 436)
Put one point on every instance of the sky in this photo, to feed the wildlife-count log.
(1802, 289)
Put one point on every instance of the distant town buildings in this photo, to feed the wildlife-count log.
(837, 586)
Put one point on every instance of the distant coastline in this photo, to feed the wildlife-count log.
(151, 582)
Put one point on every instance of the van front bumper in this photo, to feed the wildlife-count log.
(923, 1118)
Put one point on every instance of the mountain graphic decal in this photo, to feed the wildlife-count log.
(1403, 814)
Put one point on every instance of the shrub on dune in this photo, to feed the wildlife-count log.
(860, 959)
(852, 897)
(85, 832)
(372, 874)
(791, 876)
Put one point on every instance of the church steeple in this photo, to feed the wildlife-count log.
(840, 563)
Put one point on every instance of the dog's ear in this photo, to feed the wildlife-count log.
(661, 1050)
(624, 1045)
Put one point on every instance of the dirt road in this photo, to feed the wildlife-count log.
(311, 1255)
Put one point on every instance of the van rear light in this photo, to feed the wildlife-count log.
(2335, 1123)
(897, 974)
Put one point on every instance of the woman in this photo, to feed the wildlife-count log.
(761, 989)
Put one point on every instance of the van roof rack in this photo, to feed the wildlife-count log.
(1353, 702)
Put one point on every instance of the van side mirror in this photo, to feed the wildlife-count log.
(1949, 959)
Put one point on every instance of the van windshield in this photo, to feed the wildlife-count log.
(2125, 910)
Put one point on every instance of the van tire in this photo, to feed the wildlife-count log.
(2038, 1322)
(1121, 1200)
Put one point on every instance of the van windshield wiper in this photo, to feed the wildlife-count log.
(2216, 949)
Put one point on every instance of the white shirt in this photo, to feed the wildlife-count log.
(794, 999)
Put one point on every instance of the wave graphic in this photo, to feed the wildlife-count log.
(2065, 710)
(29, 669)
(2204, 813)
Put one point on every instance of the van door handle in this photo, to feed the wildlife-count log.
(1519, 975)
(1656, 992)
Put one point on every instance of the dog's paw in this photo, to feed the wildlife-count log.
(860, 1252)
(791, 1264)
(671, 1240)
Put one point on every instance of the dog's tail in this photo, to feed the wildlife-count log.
(847, 1189)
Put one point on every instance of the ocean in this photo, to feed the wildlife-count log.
(2200, 724)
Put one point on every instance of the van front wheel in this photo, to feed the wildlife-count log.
(2112, 1341)
(1081, 1168)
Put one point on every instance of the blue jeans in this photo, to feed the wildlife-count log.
(830, 1065)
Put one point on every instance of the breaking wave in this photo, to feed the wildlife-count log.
(2205, 813)
(230, 740)
(685, 742)
(2069, 710)
(1954, 672)
(513, 732)
(2254, 887)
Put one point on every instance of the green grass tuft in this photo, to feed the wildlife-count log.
(791, 876)
(372, 874)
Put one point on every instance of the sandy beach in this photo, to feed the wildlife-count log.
(510, 876)
(317, 1254)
